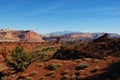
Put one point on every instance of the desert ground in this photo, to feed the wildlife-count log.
(81, 60)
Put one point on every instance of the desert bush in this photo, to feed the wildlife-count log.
(62, 48)
(73, 77)
(33, 73)
(97, 68)
(77, 73)
(29, 78)
(42, 57)
(86, 59)
(4, 52)
(67, 54)
(96, 60)
(82, 66)
(118, 52)
(37, 47)
(52, 66)
(39, 64)
(9, 63)
(50, 73)
(20, 60)
(42, 78)
(39, 56)
(65, 77)
(65, 72)
(77, 46)
(49, 49)
(115, 67)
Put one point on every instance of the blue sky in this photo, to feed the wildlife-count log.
(45, 16)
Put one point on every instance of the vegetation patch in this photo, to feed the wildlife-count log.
(81, 66)
(20, 60)
(51, 73)
(52, 66)
(97, 68)
(67, 54)
(65, 72)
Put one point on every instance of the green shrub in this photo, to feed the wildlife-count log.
(36, 47)
(20, 60)
(82, 66)
(65, 72)
(33, 73)
(97, 68)
(52, 66)
(62, 48)
(9, 63)
(49, 49)
(65, 77)
(50, 73)
(73, 77)
(118, 52)
(39, 56)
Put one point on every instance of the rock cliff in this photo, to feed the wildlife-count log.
(19, 35)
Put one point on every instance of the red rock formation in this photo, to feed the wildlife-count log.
(58, 40)
(77, 36)
(25, 36)
(30, 36)
(105, 37)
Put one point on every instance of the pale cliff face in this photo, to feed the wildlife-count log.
(81, 36)
(28, 36)
(77, 36)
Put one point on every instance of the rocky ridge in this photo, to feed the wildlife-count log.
(76, 36)
(19, 35)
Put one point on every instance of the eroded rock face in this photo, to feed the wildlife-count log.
(105, 37)
(25, 36)
(6, 36)
(30, 36)
(99, 48)
(77, 36)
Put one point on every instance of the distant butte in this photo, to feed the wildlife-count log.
(19, 35)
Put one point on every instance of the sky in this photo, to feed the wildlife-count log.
(46, 16)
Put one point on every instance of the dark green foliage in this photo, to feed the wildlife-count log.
(9, 63)
(52, 66)
(115, 67)
(97, 68)
(94, 70)
(39, 56)
(67, 54)
(36, 47)
(62, 48)
(82, 66)
(49, 49)
(20, 60)
(117, 50)
(112, 73)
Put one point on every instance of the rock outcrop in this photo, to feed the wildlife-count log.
(78, 36)
(99, 48)
(15, 36)
(105, 37)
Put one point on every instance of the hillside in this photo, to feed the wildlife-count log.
(98, 48)
(19, 35)
(76, 36)
(79, 60)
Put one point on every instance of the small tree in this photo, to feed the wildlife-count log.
(20, 60)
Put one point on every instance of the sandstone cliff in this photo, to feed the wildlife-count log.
(24, 36)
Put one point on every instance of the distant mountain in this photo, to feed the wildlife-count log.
(75, 36)
(19, 35)
(53, 35)
(61, 32)
(31, 36)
